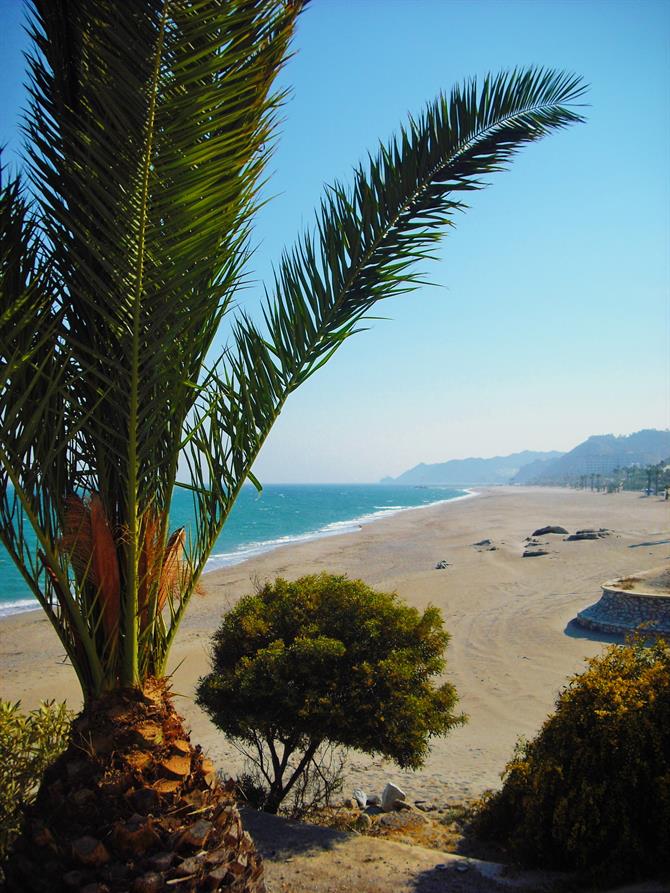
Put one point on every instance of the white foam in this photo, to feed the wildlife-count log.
(251, 550)
(20, 606)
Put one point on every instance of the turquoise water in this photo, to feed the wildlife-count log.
(280, 514)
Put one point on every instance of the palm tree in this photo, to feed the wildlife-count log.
(147, 134)
(649, 471)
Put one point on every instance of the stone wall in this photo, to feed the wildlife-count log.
(620, 611)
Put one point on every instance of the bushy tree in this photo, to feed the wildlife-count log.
(592, 791)
(328, 659)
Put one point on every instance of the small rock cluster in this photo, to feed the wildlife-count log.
(392, 798)
(533, 547)
(485, 545)
(393, 816)
(589, 534)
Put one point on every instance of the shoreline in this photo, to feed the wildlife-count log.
(249, 551)
(253, 550)
(512, 645)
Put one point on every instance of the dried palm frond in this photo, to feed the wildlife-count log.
(172, 573)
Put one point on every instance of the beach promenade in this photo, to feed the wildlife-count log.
(513, 645)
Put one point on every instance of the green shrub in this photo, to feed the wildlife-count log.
(327, 659)
(592, 791)
(28, 744)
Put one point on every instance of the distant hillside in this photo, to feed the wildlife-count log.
(531, 472)
(496, 470)
(599, 454)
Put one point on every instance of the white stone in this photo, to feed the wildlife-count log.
(390, 794)
(361, 798)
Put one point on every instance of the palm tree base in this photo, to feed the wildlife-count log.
(130, 806)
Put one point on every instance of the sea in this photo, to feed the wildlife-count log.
(278, 515)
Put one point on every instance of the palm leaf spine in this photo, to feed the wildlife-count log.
(129, 661)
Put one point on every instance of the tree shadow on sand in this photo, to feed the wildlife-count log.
(447, 876)
(280, 838)
(649, 543)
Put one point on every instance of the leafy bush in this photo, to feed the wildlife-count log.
(28, 744)
(592, 791)
(327, 659)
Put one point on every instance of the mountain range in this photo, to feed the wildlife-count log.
(496, 470)
(599, 454)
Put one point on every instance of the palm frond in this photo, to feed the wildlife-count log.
(367, 242)
(183, 93)
(105, 576)
(34, 379)
(368, 239)
(149, 129)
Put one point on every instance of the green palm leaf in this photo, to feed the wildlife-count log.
(148, 132)
(146, 128)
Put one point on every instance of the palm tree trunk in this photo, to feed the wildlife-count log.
(131, 805)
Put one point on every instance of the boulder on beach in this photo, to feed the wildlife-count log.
(588, 534)
(485, 545)
(360, 797)
(390, 794)
(543, 531)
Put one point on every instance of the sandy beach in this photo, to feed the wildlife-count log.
(513, 645)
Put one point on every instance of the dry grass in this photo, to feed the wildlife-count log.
(627, 583)
(443, 828)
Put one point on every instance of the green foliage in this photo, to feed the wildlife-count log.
(147, 134)
(592, 791)
(653, 478)
(326, 658)
(28, 744)
(650, 478)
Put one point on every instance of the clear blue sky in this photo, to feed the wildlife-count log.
(549, 319)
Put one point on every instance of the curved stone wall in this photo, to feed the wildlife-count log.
(620, 611)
